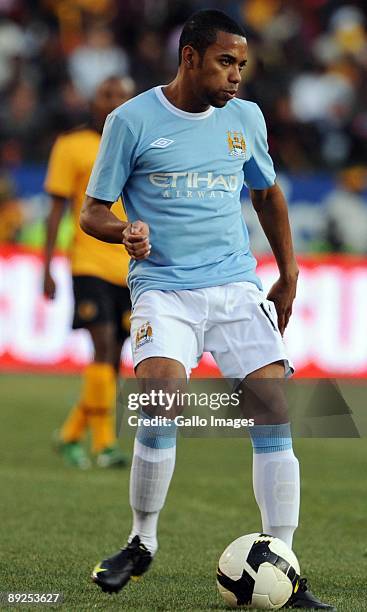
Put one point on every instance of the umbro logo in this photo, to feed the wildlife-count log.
(161, 143)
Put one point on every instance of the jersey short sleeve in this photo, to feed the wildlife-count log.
(61, 172)
(114, 162)
(259, 169)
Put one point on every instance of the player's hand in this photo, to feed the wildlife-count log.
(135, 238)
(49, 286)
(282, 294)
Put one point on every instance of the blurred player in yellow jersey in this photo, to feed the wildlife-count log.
(99, 271)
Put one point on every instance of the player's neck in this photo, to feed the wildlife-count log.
(180, 94)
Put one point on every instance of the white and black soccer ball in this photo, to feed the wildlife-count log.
(257, 571)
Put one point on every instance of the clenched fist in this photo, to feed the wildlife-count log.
(135, 238)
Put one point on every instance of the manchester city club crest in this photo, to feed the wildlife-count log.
(236, 144)
(144, 335)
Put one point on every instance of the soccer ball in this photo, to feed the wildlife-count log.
(257, 571)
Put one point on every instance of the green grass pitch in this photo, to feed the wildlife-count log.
(56, 522)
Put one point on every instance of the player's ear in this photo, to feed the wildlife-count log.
(188, 53)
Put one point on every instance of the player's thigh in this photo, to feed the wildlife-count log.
(165, 325)
(264, 395)
(94, 310)
(167, 380)
(247, 344)
(93, 301)
(160, 368)
(247, 338)
(271, 370)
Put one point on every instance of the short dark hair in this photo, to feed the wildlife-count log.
(200, 30)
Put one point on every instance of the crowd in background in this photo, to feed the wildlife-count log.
(307, 69)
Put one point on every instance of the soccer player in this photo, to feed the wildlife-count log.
(180, 154)
(99, 271)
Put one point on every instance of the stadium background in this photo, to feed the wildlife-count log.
(307, 70)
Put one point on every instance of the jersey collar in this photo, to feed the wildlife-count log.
(177, 111)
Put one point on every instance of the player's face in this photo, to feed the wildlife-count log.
(109, 95)
(218, 74)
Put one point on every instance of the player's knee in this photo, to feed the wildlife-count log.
(163, 383)
(265, 401)
(274, 409)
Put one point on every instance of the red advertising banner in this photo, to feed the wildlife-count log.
(327, 335)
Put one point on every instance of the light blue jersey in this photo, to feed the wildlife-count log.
(182, 174)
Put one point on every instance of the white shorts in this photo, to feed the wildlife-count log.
(234, 322)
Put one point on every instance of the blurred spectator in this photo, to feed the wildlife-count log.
(324, 101)
(149, 62)
(295, 145)
(52, 66)
(260, 14)
(96, 60)
(12, 47)
(11, 214)
(307, 69)
(345, 35)
(73, 15)
(21, 121)
(346, 211)
(69, 109)
(322, 96)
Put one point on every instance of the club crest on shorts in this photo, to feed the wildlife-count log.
(144, 335)
(87, 310)
(236, 144)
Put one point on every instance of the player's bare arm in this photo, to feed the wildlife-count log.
(271, 208)
(135, 237)
(97, 220)
(53, 222)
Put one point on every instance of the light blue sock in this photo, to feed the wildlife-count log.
(151, 472)
(271, 438)
(157, 436)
